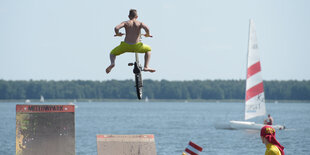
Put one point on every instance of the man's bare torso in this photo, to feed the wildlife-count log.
(133, 30)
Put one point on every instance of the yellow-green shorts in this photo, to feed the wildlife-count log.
(136, 48)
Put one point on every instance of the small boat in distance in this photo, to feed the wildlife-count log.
(75, 106)
(255, 96)
(41, 99)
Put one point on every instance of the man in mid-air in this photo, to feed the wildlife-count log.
(132, 41)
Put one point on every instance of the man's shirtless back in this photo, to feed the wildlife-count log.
(133, 30)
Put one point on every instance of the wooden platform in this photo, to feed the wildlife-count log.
(126, 145)
(45, 129)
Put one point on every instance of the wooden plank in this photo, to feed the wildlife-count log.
(126, 145)
(45, 129)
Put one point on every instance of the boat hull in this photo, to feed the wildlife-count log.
(244, 125)
(251, 125)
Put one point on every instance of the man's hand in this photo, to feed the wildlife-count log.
(148, 35)
(118, 34)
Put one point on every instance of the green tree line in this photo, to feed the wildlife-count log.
(154, 89)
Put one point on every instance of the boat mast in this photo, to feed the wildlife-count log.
(247, 62)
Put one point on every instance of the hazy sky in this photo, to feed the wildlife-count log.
(197, 39)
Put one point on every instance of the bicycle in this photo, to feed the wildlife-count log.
(138, 74)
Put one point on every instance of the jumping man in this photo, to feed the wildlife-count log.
(132, 41)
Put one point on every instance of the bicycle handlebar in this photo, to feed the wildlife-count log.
(121, 34)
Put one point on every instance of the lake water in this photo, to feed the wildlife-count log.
(174, 124)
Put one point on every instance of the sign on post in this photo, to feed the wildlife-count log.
(45, 129)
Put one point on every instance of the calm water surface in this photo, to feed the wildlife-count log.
(174, 124)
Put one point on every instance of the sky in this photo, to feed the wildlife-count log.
(192, 40)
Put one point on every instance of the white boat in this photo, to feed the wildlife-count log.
(75, 106)
(251, 125)
(255, 96)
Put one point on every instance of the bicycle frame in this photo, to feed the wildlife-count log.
(138, 76)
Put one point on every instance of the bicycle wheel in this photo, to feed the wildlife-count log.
(139, 85)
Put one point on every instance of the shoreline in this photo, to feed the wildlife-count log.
(143, 100)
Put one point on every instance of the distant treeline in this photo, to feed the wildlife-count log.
(124, 89)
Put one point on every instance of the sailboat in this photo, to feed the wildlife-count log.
(41, 99)
(255, 96)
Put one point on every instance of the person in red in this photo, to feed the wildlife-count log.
(269, 121)
(268, 136)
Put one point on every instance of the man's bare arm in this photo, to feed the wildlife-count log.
(117, 28)
(146, 29)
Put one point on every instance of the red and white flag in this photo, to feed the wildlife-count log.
(193, 149)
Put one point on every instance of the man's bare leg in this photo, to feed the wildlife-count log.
(112, 59)
(147, 57)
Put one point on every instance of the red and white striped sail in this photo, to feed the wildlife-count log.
(255, 97)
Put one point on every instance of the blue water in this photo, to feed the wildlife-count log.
(174, 124)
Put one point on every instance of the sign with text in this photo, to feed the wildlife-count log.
(45, 129)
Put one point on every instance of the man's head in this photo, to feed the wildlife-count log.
(268, 135)
(133, 14)
(268, 115)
